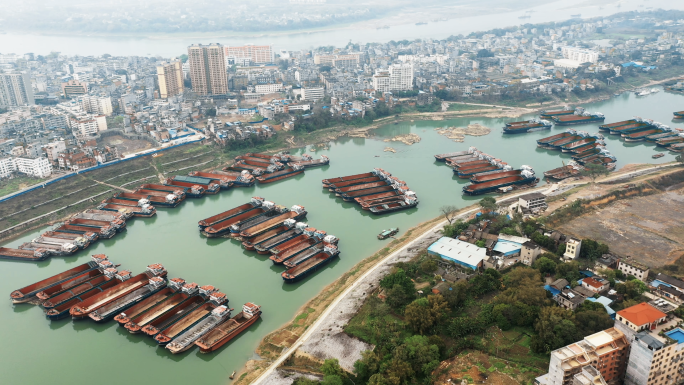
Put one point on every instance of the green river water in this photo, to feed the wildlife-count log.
(36, 351)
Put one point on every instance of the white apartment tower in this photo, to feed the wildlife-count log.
(401, 77)
(580, 54)
(16, 90)
(208, 69)
(96, 104)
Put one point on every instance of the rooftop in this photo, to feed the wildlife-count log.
(592, 282)
(532, 196)
(641, 314)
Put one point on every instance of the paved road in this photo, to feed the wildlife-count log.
(339, 298)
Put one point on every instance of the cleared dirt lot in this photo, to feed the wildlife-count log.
(126, 146)
(650, 229)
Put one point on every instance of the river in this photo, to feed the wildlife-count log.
(36, 351)
(400, 27)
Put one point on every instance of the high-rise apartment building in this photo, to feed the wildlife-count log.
(96, 104)
(208, 69)
(580, 55)
(257, 54)
(16, 90)
(399, 77)
(170, 79)
(338, 61)
(313, 93)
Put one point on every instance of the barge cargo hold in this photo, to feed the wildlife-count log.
(249, 244)
(160, 194)
(242, 167)
(229, 329)
(293, 170)
(191, 319)
(327, 182)
(265, 247)
(145, 305)
(407, 203)
(370, 198)
(29, 292)
(59, 289)
(567, 120)
(214, 219)
(667, 134)
(528, 126)
(223, 227)
(584, 154)
(146, 211)
(292, 251)
(83, 219)
(70, 294)
(466, 173)
(185, 297)
(191, 181)
(361, 186)
(254, 221)
(549, 114)
(187, 339)
(56, 246)
(526, 177)
(170, 200)
(108, 311)
(443, 157)
(382, 201)
(333, 186)
(241, 179)
(170, 317)
(640, 135)
(96, 225)
(493, 175)
(570, 146)
(609, 126)
(587, 147)
(80, 241)
(309, 266)
(678, 114)
(630, 128)
(356, 194)
(175, 190)
(296, 213)
(669, 141)
(62, 309)
(557, 144)
(545, 141)
(128, 285)
(303, 255)
(105, 232)
(308, 162)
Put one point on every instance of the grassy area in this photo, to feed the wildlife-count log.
(466, 107)
(8, 186)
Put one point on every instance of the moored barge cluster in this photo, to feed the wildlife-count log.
(585, 149)
(645, 130)
(377, 191)
(272, 168)
(178, 315)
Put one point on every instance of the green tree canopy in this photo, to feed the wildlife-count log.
(545, 265)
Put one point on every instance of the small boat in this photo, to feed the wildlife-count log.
(388, 233)
(187, 339)
(656, 156)
(232, 375)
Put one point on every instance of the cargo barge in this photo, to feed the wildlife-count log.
(327, 182)
(585, 118)
(557, 144)
(470, 157)
(609, 126)
(666, 134)
(295, 213)
(367, 205)
(29, 292)
(407, 203)
(527, 177)
(671, 140)
(59, 289)
(443, 157)
(229, 329)
(80, 241)
(191, 319)
(370, 198)
(173, 315)
(56, 246)
(293, 170)
(299, 244)
(333, 186)
(103, 232)
(312, 264)
(241, 179)
(499, 174)
(570, 146)
(146, 211)
(243, 167)
(249, 244)
(128, 285)
(546, 141)
(170, 200)
(303, 255)
(348, 197)
(160, 195)
(308, 162)
(207, 185)
(187, 339)
(630, 128)
(584, 154)
(185, 299)
(677, 147)
(111, 309)
(679, 115)
(527, 126)
(253, 203)
(98, 279)
(84, 292)
(178, 191)
(640, 135)
(265, 247)
(466, 173)
(360, 186)
(141, 307)
(86, 219)
(97, 226)
(550, 114)
(236, 228)
(223, 227)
